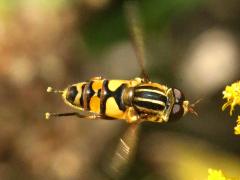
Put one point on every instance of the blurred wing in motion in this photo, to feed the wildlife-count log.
(124, 152)
(132, 16)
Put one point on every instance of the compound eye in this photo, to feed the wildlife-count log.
(176, 113)
(179, 96)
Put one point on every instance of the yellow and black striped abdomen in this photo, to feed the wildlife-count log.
(73, 95)
(85, 95)
(149, 99)
(99, 96)
(111, 98)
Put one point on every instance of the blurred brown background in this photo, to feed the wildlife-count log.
(191, 44)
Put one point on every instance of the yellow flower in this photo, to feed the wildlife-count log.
(237, 127)
(232, 94)
(216, 175)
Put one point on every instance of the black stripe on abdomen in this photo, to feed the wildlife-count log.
(81, 98)
(88, 92)
(107, 93)
(71, 94)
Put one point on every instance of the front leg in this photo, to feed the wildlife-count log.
(132, 116)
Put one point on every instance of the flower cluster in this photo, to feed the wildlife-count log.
(232, 95)
(216, 175)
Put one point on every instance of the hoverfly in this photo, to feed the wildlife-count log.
(134, 101)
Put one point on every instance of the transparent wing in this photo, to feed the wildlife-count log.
(124, 152)
(132, 16)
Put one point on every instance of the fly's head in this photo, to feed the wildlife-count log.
(180, 106)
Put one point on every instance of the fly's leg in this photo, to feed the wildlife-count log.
(132, 117)
(93, 116)
(96, 78)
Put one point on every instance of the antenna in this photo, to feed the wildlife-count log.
(191, 107)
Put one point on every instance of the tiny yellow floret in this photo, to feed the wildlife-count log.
(232, 94)
(237, 127)
(216, 175)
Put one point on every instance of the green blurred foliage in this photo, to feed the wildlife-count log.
(109, 26)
